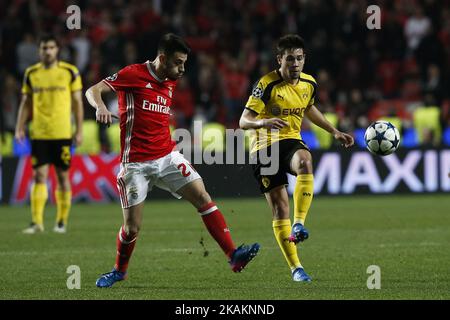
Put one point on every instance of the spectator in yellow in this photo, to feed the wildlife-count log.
(427, 122)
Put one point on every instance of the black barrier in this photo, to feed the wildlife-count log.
(336, 172)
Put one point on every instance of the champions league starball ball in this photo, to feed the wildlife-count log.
(382, 138)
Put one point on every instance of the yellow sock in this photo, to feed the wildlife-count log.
(282, 230)
(63, 203)
(303, 195)
(38, 198)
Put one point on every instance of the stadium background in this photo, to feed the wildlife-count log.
(400, 73)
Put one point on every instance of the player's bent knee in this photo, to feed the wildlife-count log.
(131, 230)
(203, 199)
(305, 167)
(308, 166)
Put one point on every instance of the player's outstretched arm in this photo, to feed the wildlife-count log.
(249, 121)
(316, 117)
(94, 97)
(24, 112)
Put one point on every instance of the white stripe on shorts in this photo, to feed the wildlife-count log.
(122, 188)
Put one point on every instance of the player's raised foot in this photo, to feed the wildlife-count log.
(299, 275)
(33, 228)
(298, 234)
(60, 227)
(242, 256)
(108, 279)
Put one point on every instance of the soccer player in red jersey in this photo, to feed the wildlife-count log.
(148, 157)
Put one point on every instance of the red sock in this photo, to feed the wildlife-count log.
(125, 246)
(217, 227)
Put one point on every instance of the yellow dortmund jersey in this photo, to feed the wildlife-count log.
(51, 90)
(273, 97)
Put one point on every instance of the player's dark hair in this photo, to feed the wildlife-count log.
(48, 37)
(171, 43)
(290, 41)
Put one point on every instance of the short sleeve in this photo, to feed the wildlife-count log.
(121, 80)
(255, 102)
(312, 92)
(311, 101)
(76, 84)
(26, 84)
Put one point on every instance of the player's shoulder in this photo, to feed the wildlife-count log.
(308, 78)
(270, 78)
(263, 87)
(66, 65)
(135, 67)
(33, 68)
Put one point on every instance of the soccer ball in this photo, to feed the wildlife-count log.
(382, 138)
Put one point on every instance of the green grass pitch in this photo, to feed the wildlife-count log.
(408, 237)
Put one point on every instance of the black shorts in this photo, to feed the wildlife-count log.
(56, 152)
(287, 149)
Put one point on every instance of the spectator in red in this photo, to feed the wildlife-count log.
(236, 87)
(183, 104)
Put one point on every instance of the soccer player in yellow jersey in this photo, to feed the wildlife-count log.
(51, 91)
(279, 102)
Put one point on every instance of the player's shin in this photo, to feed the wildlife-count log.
(125, 247)
(282, 230)
(217, 227)
(303, 195)
(38, 199)
(63, 204)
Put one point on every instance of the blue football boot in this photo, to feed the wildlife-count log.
(298, 234)
(242, 256)
(109, 278)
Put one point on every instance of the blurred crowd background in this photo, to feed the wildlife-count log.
(400, 72)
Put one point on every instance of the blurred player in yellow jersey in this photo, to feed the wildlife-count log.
(51, 91)
(279, 102)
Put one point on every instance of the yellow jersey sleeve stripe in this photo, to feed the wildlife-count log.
(314, 86)
(263, 87)
(72, 72)
(27, 88)
(251, 110)
(268, 90)
(75, 83)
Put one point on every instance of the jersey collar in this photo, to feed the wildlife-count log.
(150, 70)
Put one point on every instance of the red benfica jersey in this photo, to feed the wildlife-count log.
(144, 111)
